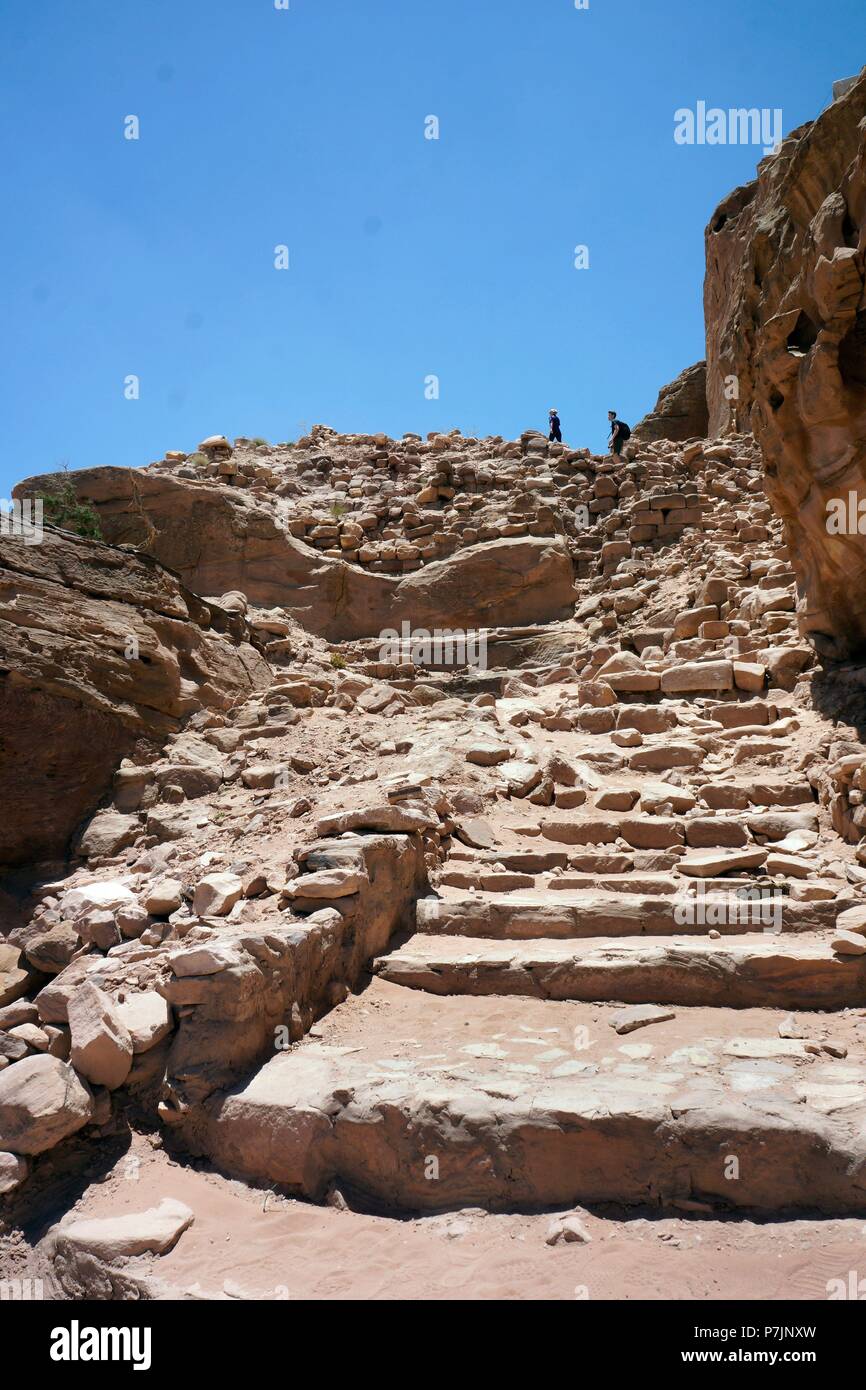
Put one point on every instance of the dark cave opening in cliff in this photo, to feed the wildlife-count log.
(850, 231)
(852, 354)
(804, 334)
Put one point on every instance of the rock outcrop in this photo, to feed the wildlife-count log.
(220, 539)
(785, 311)
(681, 410)
(100, 650)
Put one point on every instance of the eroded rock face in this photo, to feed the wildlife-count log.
(98, 649)
(681, 409)
(218, 540)
(786, 350)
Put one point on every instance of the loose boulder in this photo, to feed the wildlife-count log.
(42, 1101)
(101, 1045)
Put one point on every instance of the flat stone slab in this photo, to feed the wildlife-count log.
(698, 675)
(750, 971)
(527, 916)
(151, 1232)
(661, 757)
(486, 879)
(470, 1132)
(711, 863)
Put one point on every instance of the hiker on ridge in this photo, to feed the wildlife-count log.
(555, 427)
(619, 433)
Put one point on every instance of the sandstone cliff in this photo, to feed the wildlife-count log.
(785, 311)
(99, 650)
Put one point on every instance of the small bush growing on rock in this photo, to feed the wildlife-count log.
(63, 508)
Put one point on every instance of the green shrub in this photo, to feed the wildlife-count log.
(62, 507)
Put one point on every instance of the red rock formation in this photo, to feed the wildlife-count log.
(219, 539)
(786, 350)
(681, 409)
(98, 649)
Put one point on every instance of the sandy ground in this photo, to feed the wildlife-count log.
(254, 1245)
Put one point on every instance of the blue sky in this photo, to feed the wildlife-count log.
(408, 257)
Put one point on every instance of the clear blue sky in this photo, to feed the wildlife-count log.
(408, 257)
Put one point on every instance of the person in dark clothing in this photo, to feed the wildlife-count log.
(619, 433)
(555, 427)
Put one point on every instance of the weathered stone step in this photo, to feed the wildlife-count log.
(634, 882)
(672, 832)
(474, 1130)
(540, 861)
(483, 878)
(789, 972)
(526, 861)
(527, 916)
(486, 879)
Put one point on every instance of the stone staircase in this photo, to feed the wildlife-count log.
(669, 876)
(605, 888)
